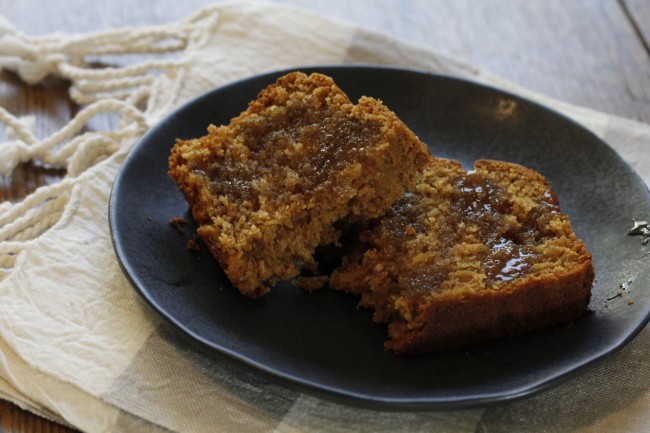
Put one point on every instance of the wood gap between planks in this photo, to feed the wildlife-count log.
(635, 26)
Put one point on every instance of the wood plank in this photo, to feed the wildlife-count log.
(583, 51)
(638, 12)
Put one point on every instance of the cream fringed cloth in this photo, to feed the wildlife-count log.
(77, 344)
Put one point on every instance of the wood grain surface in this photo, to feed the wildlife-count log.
(587, 52)
(16, 420)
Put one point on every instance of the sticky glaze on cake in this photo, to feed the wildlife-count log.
(467, 257)
(266, 189)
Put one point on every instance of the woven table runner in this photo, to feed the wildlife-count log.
(77, 345)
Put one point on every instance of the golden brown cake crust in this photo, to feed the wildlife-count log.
(468, 257)
(266, 189)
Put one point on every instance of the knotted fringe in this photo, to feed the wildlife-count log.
(119, 90)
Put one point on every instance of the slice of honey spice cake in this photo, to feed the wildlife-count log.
(467, 257)
(266, 189)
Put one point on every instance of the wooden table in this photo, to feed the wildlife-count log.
(594, 53)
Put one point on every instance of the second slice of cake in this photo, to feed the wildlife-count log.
(467, 257)
(266, 189)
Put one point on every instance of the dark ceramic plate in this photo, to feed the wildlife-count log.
(321, 341)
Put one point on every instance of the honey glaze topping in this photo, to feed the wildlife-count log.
(289, 150)
(480, 223)
(510, 238)
(507, 260)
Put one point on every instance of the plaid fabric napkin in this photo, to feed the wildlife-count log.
(77, 345)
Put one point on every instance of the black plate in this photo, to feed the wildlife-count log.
(321, 341)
